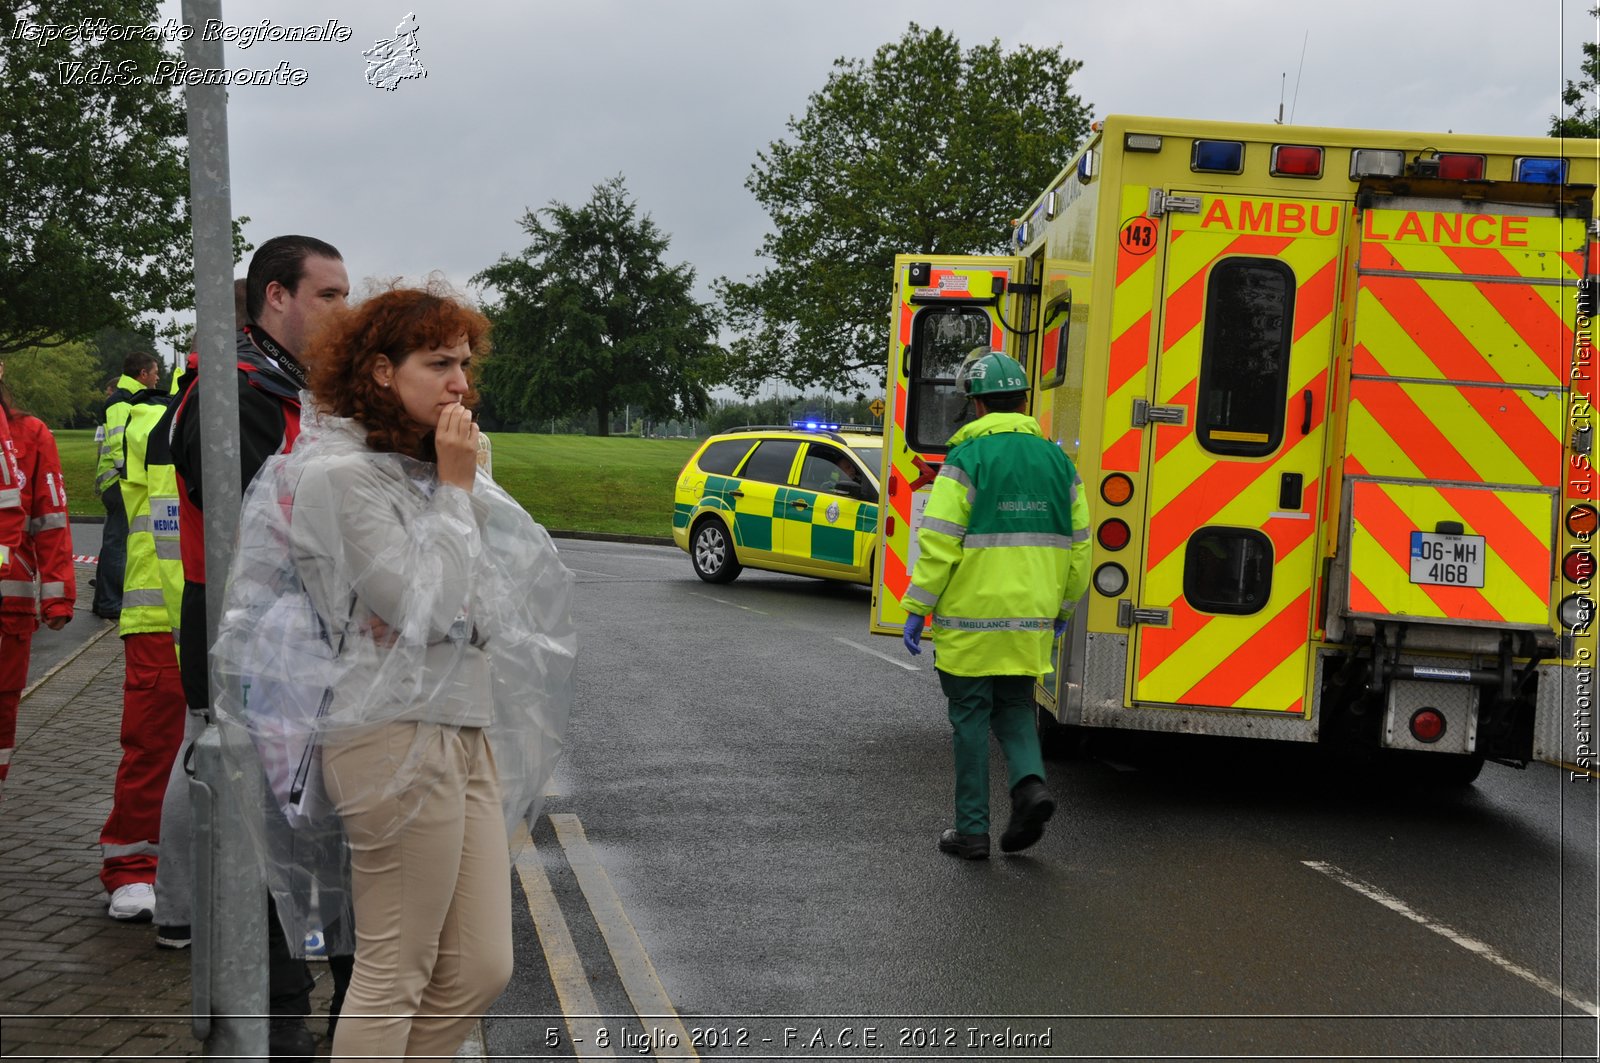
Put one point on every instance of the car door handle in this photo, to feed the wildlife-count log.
(799, 503)
(735, 494)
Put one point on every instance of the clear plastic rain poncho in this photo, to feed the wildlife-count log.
(365, 593)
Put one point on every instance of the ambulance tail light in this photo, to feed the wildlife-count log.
(1457, 167)
(1376, 162)
(1296, 160)
(1141, 142)
(1578, 566)
(1582, 521)
(1116, 489)
(1110, 579)
(1539, 171)
(1217, 156)
(1576, 612)
(1427, 725)
(1113, 534)
(888, 524)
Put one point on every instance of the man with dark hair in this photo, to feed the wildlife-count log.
(140, 371)
(1003, 557)
(293, 286)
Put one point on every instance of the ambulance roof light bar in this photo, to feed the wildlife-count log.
(1376, 162)
(1217, 156)
(1539, 171)
(1296, 160)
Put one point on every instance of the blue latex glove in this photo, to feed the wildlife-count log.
(1061, 626)
(912, 635)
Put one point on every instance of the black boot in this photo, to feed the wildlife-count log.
(966, 846)
(1031, 807)
(288, 1040)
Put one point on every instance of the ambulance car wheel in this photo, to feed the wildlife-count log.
(711, 551)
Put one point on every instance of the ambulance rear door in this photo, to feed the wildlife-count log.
(943, 306)
(1235, 467)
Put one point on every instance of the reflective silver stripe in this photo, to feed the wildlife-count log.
(176, 641)
(961, 478)
(53, 590)
(117, 431)
(1067, 609)
(994, 623)
(169, 549)
(5, 755)
(1053, 542)
(920, 596)
(11, 496)
(131, 849)
(137, 598)
(1081, 535)
(141, 523)
(105, 479)
(15, 588)
(947, 527)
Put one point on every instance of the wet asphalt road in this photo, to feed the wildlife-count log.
(747, 816)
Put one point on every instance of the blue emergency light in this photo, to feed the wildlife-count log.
(1217, 156)
(1541, 171)
(814, 426)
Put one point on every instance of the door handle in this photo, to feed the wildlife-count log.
(799, 503)
(735, 494)
(1305, 424)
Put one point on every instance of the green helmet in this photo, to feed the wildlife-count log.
(986, 371)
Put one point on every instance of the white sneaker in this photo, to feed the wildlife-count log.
(134, 903)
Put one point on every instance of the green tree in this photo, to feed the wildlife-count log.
(94, 178)
(1579, 98)
(55, 384)
(925, 149)
(592, 317)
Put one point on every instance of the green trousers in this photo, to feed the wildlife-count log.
(979, 704)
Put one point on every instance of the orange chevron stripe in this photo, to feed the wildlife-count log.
(1434, 331)
(1520, 429)
(1481, 261)
(1156, 644)
(1198, 503)
(1313, 303)
(1278, 640)
(1364, 364)
(1574, 261)
(1377, 256)
(1536, 321)
(1128, 264)
(1361, 599)
(1391, 527)
(1130, 352)
(1428, 447)
(1123, 455)
(1522, 550)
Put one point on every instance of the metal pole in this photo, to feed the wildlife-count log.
(229, 973)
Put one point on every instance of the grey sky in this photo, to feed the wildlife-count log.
(525, 102)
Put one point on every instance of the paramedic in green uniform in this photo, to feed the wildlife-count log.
(1003, 559)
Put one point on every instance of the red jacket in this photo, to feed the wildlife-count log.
(34, 536)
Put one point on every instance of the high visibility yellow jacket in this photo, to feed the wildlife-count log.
(108, 464)
(152, 584)
(1003, 548)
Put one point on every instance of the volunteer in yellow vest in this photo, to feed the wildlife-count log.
(1003, 559)
(140, 370)
(152, 701)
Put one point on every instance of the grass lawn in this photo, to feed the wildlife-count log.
(571, 483)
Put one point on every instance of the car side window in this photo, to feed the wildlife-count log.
(772, 461)
(722, 457)
(824, 467)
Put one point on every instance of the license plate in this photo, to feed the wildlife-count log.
(1447, 560)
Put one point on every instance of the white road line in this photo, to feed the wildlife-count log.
(1395, 904)
(724, 601)
(589, 572)
(907, 665)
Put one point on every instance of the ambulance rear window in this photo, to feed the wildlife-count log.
(1228, 570)
(1244, 357)
(940, 339)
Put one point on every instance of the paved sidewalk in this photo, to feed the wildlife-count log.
(75, 984)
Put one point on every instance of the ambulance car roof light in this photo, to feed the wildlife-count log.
(1086, 167)
(1141, 142)
(1539, 171)
(1376, 162)
(1296, 160)
(1217, 156)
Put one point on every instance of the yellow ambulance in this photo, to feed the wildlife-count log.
(1330, 390)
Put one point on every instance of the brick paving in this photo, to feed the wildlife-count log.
(74, 983)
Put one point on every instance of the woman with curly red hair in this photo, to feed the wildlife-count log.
(444, 649)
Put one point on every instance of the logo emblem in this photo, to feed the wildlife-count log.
(394, 60)
(833, 512)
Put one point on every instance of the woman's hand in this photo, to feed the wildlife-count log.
(456, 442)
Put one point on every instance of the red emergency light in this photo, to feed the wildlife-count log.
(1427, 725)
(1296, 160)
(1458, 167)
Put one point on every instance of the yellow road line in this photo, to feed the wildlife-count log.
(638, 974)
(566, 969)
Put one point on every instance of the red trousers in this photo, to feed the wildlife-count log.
(16, 641)
(152, 731)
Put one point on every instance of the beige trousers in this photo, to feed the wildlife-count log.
(431, 882)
